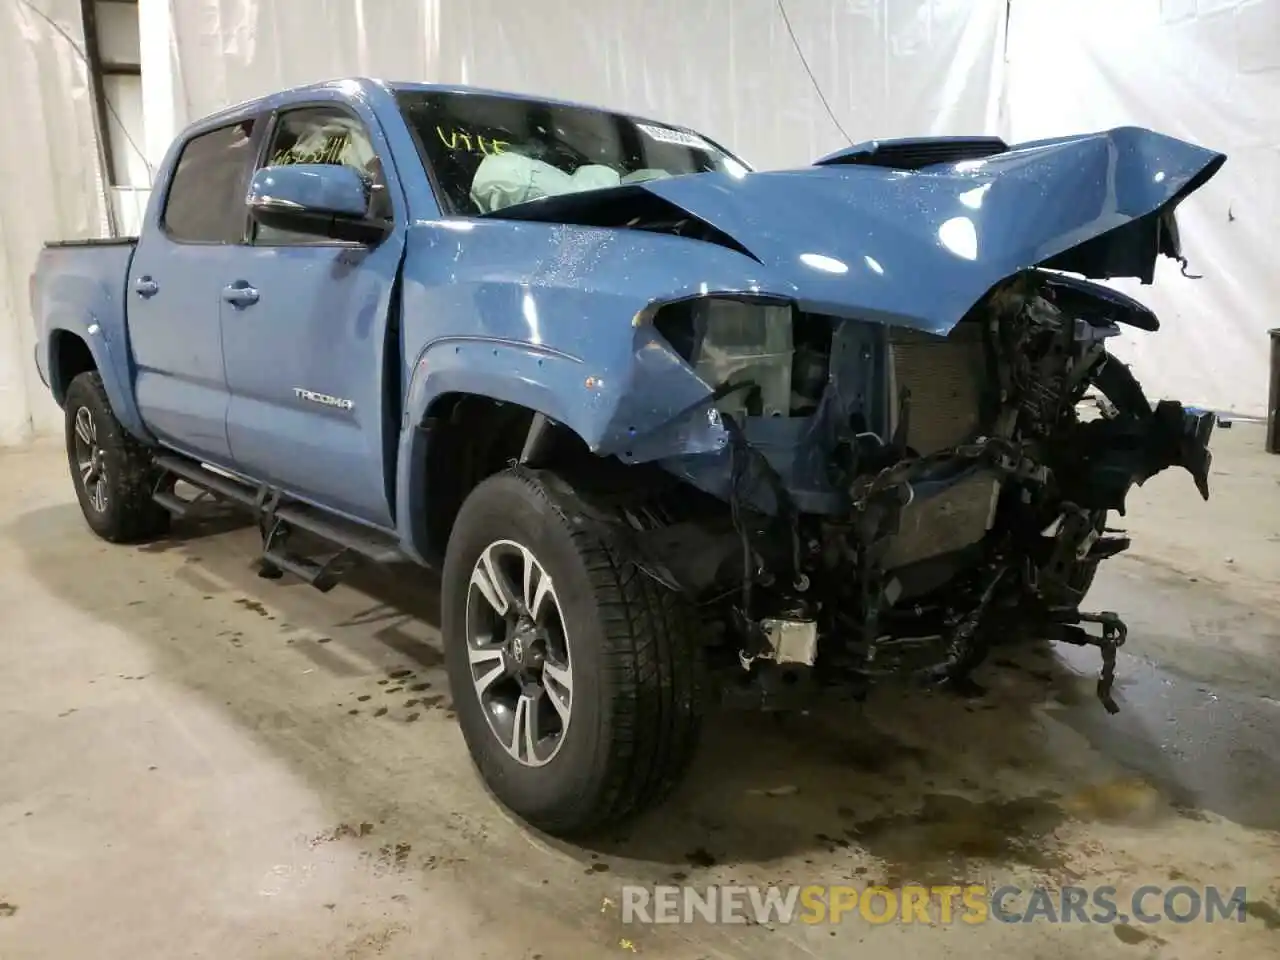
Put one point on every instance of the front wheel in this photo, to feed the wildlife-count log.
(113, 473)
(574, 676)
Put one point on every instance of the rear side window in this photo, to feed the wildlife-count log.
(206, 196)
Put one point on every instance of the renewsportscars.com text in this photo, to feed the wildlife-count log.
(946, 904)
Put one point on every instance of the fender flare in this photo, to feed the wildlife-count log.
(111, 361)
(539, 378)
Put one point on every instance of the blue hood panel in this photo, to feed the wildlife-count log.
(919, 248)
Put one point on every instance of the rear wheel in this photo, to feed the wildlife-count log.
(113, 473)
(574, 676)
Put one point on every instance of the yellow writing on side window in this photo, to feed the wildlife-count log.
(329, 152)
(472, 143)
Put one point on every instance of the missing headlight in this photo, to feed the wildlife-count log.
(782, 353)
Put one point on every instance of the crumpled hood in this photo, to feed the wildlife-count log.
(919, 247)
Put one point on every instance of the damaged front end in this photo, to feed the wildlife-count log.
(866, 378)
(890, 503)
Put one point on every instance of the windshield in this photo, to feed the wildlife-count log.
(488, 152)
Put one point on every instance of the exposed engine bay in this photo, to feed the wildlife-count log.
(897, 502)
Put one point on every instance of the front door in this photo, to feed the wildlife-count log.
(305, 334)
(172, 293)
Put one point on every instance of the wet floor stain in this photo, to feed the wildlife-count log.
(1188, 812)
(254, 606)
(1265, 912)
(1124, 800)
(435, 862)
(390, 856)
(831, 843)
(877, 754)
(949, 830)
(1129, 934)
(700, 858)
(343, 831)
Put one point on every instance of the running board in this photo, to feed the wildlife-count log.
(323, 576)
(174, 504)
(276, 518)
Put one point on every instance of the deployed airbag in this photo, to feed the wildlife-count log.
(509, 178)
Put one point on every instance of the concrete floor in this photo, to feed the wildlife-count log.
(197, 762)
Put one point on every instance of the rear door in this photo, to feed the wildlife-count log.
(172, 292)
(310, 354)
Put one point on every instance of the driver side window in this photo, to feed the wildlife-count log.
(326, 135)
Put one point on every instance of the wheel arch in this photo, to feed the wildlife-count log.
(76, 351)
(457, 441)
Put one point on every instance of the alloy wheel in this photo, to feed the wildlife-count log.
(519, 653)
(90, 460)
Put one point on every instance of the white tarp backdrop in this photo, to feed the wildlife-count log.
(50, 183)
(726, 67)
(1206, 70)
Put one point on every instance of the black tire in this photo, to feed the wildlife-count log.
(119, 508)
(636, 663)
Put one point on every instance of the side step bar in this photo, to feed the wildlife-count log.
(175, 505)
(276, 519)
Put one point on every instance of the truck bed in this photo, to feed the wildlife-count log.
(96, 242)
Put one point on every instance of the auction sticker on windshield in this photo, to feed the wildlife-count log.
(679, 137)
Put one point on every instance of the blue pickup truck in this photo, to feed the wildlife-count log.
(677, 433)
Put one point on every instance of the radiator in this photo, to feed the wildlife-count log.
(945, 377)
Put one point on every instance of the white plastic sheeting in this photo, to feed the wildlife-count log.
(1207, 71)
(1202, 69)
(50, 183)
(728, 68)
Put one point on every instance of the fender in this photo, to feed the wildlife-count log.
(605, 412)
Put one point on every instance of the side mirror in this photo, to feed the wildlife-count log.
(322, 200)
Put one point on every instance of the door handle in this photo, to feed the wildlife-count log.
(145, 287)
(240, 294)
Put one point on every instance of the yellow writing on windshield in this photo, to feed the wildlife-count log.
(472, 143)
